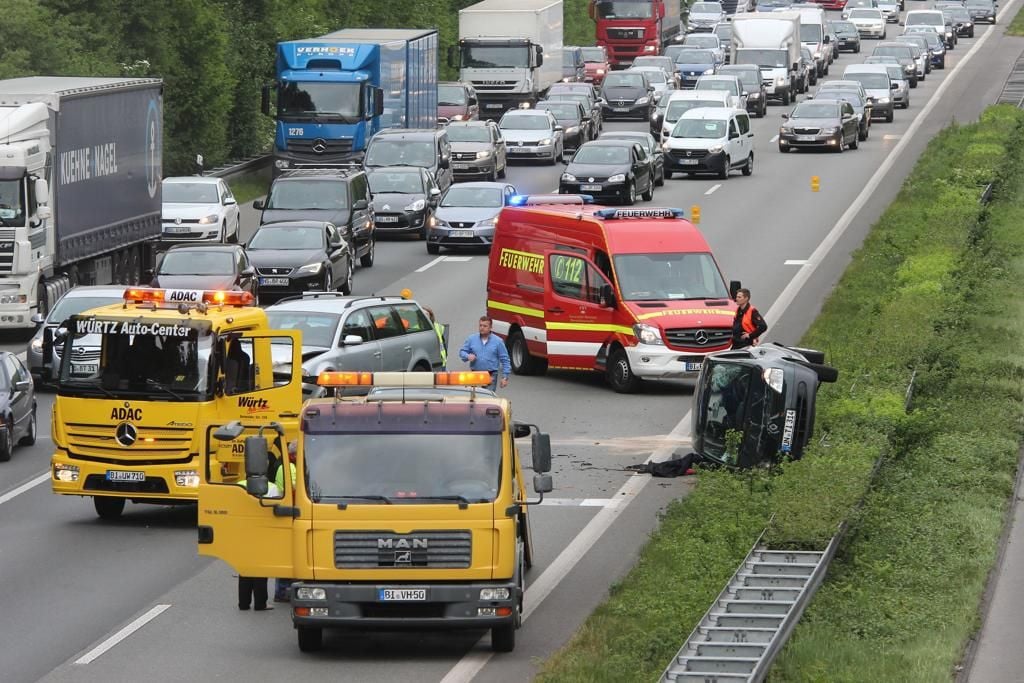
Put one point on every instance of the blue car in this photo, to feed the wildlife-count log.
(692, 64)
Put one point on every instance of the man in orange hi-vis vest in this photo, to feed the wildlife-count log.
(748, 325)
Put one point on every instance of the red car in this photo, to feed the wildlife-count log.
(595, 60)
(832, 4)
(456, 102)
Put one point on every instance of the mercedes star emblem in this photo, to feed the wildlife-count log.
(126, 434)
(701, 337)
(319, 145)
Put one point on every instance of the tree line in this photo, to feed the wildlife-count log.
(213, 55)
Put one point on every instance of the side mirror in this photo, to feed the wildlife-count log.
(265, 99)
(259, 205)
(230, 201)
(38, 319)
(42, 190)
(785, 117)
(559, 129)
(826, 40)
(352, 340)
(538, 53)
(229, 432)
(520, 430)
(734, 135)
(734, 286)
(542, 483)
(378, 102)
(360, 205)
(796, 66)
(540, 446)
(248, 272)
(148, 275)
(607, 295)
(256, 458)
(744, 93)
(894, 86)
(44, 212)
(445, 162)
(434, 193)
(23, 385)
(59, 335)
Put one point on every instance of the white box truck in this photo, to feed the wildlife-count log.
(772, 42)
(814, 37)
(511, 53)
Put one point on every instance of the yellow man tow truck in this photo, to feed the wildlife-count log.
(408, 507)
(142, 384)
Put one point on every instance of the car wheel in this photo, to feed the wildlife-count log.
(504, 168)
(7, 443)
(630, 198)
(649, 194)
(433, 248)
(522, 361)
(660, 179)
(889, 116)
(107, 507)
(493, 177)
(862, 134)
(350, 269)
(856, 50)
(328, 280)
(784, 150)
(619, 375)
(855, 142)
(30, 436)
(366, 260)
(726, 167)
(748, 168)
(668, 173)
(842, 144)
(785, 99)
(913, 83)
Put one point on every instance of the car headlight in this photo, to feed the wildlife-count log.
(883, 100)
(187, 479)
(648, 334)
(969, 24)
(63, 472)
(715, 149)
(545, 142)
(310, 268)
(209, 220)
(568, 178)
(949, 34)
(709, 72)
(650, 48)
(282, 163)
(774, 377)
(36, 345)
(780, 81)
(310, 594)
(829, 131)
(417, 205)
(457, 117)
(617, 178)
(494, 594)
(487, 222)
(642, 100)
(909, 68)
(600, 72)
(572, 130)
(483, 154)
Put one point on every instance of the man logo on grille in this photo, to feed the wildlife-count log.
(126, 434)
(403, 557)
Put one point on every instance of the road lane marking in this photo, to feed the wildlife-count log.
(28, 485)
(580, 502)
(796, 262)
(113, 640)
(775, 139)
(458, 259)
(891, 136)
(473, 662)
(711, 190)
(432, 263)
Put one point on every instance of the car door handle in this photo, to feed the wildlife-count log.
(408, 348)
(555, 310)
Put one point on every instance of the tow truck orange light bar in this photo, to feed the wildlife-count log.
(404, 379)
(188, 296)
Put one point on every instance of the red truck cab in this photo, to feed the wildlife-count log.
(631, 28)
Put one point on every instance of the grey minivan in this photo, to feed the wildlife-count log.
(574, 68)
(427, 148)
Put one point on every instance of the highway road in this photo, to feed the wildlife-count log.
(84, 600)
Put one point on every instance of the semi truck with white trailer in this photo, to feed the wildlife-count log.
(511, 53)
(80, 175)
(772, 42)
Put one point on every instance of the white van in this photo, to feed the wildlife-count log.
(936, 21)
(878, 86)
(681, 102)
(710, 140)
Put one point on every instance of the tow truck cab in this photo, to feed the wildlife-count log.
(408, 509)
(765, 396)
(139, 381)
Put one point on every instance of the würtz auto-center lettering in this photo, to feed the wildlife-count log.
(131, 327)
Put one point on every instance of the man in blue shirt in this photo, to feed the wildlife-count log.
(485, 351)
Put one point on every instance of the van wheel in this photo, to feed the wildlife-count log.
(366, 260)
(748, 168)
(619, 375)
(311, 639)
(108, 508)
(523, 362)
(724, 173)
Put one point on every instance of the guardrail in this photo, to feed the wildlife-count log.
(234, 169)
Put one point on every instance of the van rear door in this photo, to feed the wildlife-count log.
(578, 319)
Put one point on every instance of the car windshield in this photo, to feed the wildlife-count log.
(318, 329)
(865, 14)
(473, 197)
(810, 33)
(861, 3)
(957, 13)
(623, 80)
(401, 468)
(663, 277)
(288, 237)
(197, 262)
(561, 110)
(895, 73)
(677, 108)
(524, 122)
(716, 84)
(695, 57)
(766, 59)
(398, 182)
(699, 128)
(750, 80)
(623, 9)
(655, 75)
(979, 3)
(658, 61)
(870, 81)
(848, 96)
(468, 134)
(593, 54)
(385, 152)
(844, 28)
(893, 51)
(73, 305)
(451, 95)
(601, 155)
(710, 42)
(705, 8)
(815, 110)
(926, 19)
(295, 195)
(190, 193)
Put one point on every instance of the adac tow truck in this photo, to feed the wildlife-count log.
(142, 383)
(408, 508)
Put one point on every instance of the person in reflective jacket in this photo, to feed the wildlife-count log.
(748, 325)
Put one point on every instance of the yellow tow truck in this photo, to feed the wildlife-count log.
(144, 382)
(408, 507)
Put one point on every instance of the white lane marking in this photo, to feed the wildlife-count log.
(580, 502)
(458, 259)
(891, 136)
(775, 139)
(113, 640)
(428, 265)
(796, 262)
(28, 485)
(472, 663)
(711, 190)
(804, 274)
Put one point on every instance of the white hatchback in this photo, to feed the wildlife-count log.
(198, 208)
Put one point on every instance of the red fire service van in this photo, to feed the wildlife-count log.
(633, 293)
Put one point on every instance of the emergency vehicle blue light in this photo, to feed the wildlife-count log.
(640, 213)
(540, 199)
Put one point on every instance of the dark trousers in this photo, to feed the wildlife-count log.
(254, 589)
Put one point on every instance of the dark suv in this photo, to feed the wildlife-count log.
(337, 196)
(429, 149)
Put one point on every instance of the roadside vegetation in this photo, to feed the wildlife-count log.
(1016, 27)
(250, 186)
(925, 306)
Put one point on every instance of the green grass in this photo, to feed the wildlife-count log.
(250, 186)
(925, 293)
(1016, 27)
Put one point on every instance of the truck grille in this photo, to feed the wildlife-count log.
(310, 146)
(625, 33)
(6, 251)
(419, 549)
(153, 445)
(690, 337)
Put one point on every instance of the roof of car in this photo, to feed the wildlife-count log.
(205, 247)
(295, 224)
(608, 142)
(331, 302)
(410, 133)
(93, 290)
(209, 180)
(865, 68)
(698, 95)
(396, 169)
(623, 134)
(709, 113)
(469, 124)
(483, 184)
(320, 173)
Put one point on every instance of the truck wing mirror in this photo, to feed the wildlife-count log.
(538, 53)
(229, 432)
(42, 190)
(453, 56)
(520, 430)
(265, 99)
(540, 445)
(378, 101)
(256, 459)
(608, 296)
(542, 483)
(734, 286)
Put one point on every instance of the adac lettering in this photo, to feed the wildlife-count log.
(126, 413)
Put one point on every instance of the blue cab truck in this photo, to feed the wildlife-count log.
(334, 92)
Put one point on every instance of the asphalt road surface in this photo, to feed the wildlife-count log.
(84, 600)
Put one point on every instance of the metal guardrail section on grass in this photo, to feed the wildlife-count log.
(229, 171)
(745, 628)
(1013, 90)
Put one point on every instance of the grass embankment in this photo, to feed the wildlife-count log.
(932, 291)
(250, 186)
(1016, 27)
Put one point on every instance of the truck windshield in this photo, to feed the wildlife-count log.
(624, 9)
(152, 359)
(495, 56)
(767, 59)
(403, 468)
(663, 277)
(12, 205)
(315, 101)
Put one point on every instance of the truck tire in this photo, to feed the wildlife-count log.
(311, 638)
(523, 362)
(619, 375)
(503, 638)
(366, 260)
(108, 508)
(785, 98)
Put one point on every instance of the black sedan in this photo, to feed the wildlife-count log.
(208, 266)
(849, 36)
(824, 124)
(301, 256)
(650, 145)
(404, 199)
(17, 405)
(861, 108)
(609, 169)
(572, 117)
(627, 95)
